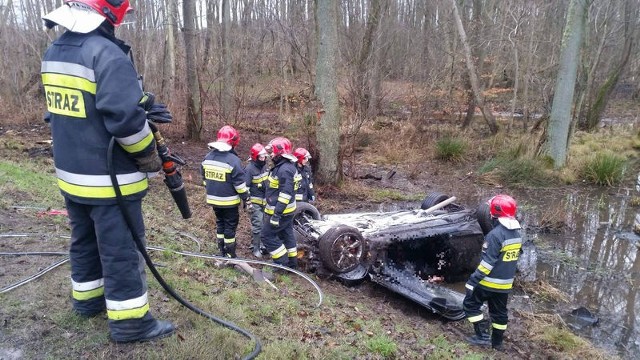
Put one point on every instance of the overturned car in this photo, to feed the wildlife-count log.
(411, 252)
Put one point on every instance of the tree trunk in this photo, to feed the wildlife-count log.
(228, 87)
(364, 61)
(473, 76)
(328, 133)
(560, 118)
(194, 106)
(594, 113)
(169, 62)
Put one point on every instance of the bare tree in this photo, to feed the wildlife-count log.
(473, 76)
(560, 120)
(193, 102)
(328, 132)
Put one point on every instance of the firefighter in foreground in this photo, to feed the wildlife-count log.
(493, 279)
(277, 228)
(93, 94)
(305, 191)
(224, 179)
(256, 174)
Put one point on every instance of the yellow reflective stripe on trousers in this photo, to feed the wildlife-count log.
(127, 309)
(128, 314)
(279, 252)
(229, 241)
(87, 290)
(476, 318)
(499, 326)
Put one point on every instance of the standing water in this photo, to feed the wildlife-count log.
(587, 248)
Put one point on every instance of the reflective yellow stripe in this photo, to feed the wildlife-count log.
(292, 254)
(140, 145)
(128, 314)
(511, 247)
(220, 236)
(223, 203)
(229, 241)
(476, 318)
(279, 252)
(290, 208)
(499, 326)
(68, 81)
(102, 192)
(89, 294)
(484, 270)
(495, 285)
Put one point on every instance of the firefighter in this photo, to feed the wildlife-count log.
(305, 192)
(224, 178)
(93, 94)
(277, 230)
(493, 279)
(256, 174)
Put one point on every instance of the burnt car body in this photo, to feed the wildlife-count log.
(404, 251)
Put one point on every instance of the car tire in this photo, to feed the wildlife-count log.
(484, 217)
(433, 199)
(342, 249)
(354, 277)
(308, 210)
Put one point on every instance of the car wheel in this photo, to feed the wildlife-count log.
(354, 277)
(304, 212)
(484, 217)
(342, 249)
(433, 199)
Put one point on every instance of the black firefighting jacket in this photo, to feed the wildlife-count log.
(500, 254)
(280, 194)
(305, 191)
(256, 180)
(92, 93)
(224, 177)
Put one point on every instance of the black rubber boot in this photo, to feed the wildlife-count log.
(230, 250)
(140, 330)
(90, 308)
(255, 246)
(221, 247)
(496, 339)
(481, 336)
(293, 262)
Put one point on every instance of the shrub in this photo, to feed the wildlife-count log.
(605, 169)
(450, 149)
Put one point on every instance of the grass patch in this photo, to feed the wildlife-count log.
(505, 169)
(604, 169)
(450, 149)
(382, 345)
(36, 186)
(440, 348)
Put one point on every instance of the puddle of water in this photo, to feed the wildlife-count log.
(595, 260)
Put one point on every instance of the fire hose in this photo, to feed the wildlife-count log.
(173, 180)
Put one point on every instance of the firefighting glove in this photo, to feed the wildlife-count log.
(275, 220)
(150, 162)
(312, 199)
(156, 112)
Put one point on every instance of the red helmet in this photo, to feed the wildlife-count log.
(280, 146)
(301, 154)
(503, 206)
(227, 134)
(257, 150)
(113, 10)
